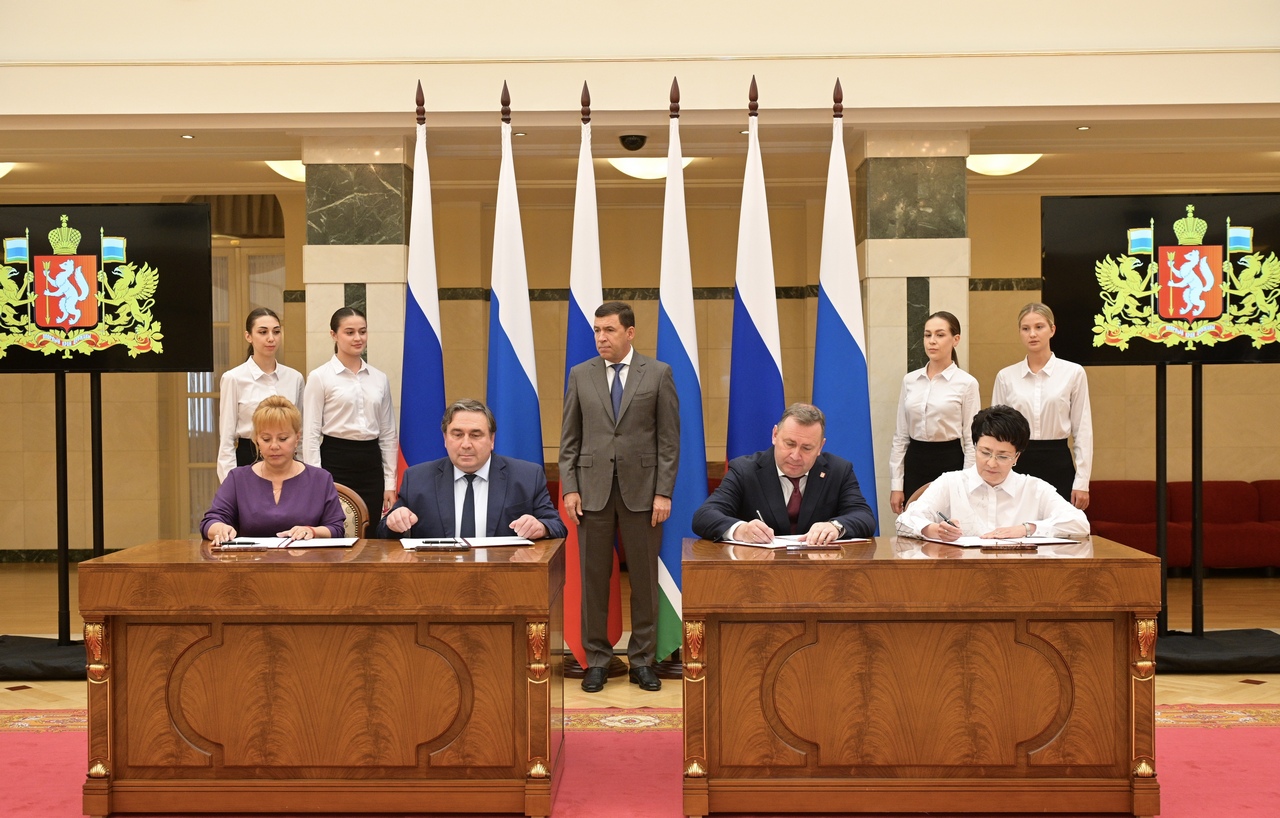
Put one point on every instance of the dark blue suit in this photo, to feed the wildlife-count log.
(751, 486)
(516, 488)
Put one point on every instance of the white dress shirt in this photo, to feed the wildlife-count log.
(967, 500)
(609, 371)
(1055, 401)
(480, 488)
(242, 388)
(350, 405)
(933, 410)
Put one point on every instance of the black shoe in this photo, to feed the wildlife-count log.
(643, 676)
(594, 681)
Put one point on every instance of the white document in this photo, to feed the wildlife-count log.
(259, 543)
(979, 542)
(496, 542)
(794, 542)
(434, 544)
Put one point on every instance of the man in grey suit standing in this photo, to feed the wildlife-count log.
(619, 450)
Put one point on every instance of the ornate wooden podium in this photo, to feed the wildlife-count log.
(368, 679)
(902, 676)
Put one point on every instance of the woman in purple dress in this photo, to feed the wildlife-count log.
(278, 495)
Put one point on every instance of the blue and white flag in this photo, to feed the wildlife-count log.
(422, 374)
(1239, 239)
(1141, 240)
(678, 348)
(840, 385)
(17, 251)
(756, 398)
(512, 387)
(113, 249)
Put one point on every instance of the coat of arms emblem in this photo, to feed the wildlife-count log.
(1190, 293)
(60, 302)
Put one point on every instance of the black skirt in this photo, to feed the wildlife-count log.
(246, 452)
(356, 464)
(925, 461)
(1051, 461)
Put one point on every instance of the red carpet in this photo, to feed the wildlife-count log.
(1204, 773)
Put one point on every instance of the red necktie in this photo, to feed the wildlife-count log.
(793, 505)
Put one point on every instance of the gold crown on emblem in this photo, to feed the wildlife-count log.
(65, 240)
(1190, 230)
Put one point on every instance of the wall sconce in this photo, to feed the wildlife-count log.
(1000, 164)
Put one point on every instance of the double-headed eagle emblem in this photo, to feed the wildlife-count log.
(65, 302)
(1188, 294)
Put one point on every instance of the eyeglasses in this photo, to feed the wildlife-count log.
(1002, 459)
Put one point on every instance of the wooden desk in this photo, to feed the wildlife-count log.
(901, 676)
(367, 679)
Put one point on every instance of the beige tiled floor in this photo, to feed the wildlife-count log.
(29, 605)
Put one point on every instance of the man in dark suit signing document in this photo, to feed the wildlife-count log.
(619, 449)
(472, 492)
(792, 488)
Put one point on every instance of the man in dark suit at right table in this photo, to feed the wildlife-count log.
(792, 487)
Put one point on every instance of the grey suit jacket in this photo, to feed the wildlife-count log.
(642, 446)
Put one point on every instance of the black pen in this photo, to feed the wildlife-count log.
(944, 519)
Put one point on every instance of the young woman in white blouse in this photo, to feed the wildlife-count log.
(1053, 394)
(249, 384)
(935, 410)
(348, 426)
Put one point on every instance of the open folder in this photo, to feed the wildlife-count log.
(793, 542)
(460, 543)
(983, 542)
(267, 543)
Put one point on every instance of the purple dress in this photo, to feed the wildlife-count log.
(245, 502)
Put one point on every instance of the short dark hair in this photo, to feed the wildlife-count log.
(626, 316)
(468, 405)
(1004, 423)
(806, 414)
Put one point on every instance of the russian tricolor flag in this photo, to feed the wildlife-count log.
(585, 294)
(512, 385)
(756, 398)
(422, 372)
(840, 385)
(678, 348)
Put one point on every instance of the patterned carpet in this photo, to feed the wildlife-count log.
(612, 719)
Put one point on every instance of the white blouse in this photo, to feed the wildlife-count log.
(964, 498)
(242, 388)
(934, 410)
(1055, 401)
(350, 405)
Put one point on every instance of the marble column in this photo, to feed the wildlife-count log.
(358, 195)
(913, 253)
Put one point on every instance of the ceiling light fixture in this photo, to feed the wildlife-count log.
(291, 169)
(187, 136)
(1082, 127)
(5, 167)
(646, 167)
(1000, 164)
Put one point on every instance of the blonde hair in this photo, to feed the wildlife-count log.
(276, 412)
(1037, 307)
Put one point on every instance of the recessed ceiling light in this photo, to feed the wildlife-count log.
(744, 133)
(187, 136)
(519, 133)
(1082, 127)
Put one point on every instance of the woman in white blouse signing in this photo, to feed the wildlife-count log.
(348, 426)
(935, 409)
(249, 384)
(1053, 394)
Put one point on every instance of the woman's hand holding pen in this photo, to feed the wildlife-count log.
(944, 530)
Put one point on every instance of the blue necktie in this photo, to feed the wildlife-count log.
(615, 392)
(469, 508)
